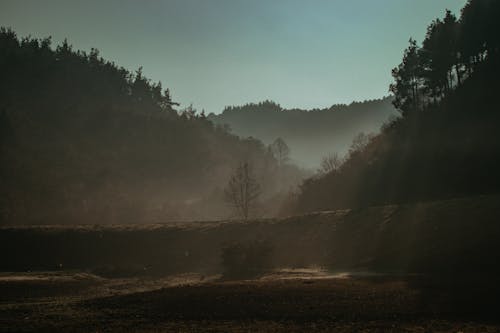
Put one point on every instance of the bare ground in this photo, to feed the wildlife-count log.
(307, 300)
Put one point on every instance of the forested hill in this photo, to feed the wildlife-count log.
(85, 141)
(310, 134)
(447, 143)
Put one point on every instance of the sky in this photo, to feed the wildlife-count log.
(214, 53)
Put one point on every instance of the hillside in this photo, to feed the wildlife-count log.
(420, 267)
(310, 134)
(438, 237)
(85, 141)
(446, 144)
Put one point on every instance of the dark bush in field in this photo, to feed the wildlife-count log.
(246, 260)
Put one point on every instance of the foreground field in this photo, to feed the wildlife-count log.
(436, 267)
(284, 301)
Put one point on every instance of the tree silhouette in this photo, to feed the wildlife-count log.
(439, 56)
(446, 144)
(280, 151)
(82, 139)
(331, 163)
(408, 84)
(242, 190)
(451, 50)
(360, 142)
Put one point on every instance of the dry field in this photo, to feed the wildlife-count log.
(208, 277)
(305, 300)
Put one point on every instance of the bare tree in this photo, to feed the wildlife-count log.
(280, 151)
(360, 142)
(242, 190)
(331, 163)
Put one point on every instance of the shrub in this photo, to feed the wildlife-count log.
(246, 260)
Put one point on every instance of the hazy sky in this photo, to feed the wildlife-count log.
(212, 53)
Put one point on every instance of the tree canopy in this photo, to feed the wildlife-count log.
(85, 141)
(447, 143)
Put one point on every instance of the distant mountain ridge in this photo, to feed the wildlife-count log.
(311, 134)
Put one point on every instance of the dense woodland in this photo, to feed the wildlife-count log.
(447, 142)
(85, 141)
(311, 134)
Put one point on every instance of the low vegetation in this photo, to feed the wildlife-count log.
(456, 234)
(246, 260)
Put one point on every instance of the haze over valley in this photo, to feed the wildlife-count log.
(247, 166)
(310, 134)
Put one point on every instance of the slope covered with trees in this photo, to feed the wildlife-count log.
(447, 144)
(311, 134)
(85, 141)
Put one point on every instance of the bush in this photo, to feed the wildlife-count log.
(246, 260)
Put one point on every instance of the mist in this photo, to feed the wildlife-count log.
(140, 190)
(310, 134)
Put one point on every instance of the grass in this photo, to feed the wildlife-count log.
(435, 263)
(275, 303)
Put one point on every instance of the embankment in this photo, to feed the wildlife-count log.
(443, 236)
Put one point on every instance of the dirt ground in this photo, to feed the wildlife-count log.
(298, 300)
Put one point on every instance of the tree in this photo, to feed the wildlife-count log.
(439, 56)
(431, 152)
(408, 84)
(242, 190)
(74, 126)
(479, 25)
(280, 151)
(331, 163)
(188, 112)
(451, 51)
(360, 142)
